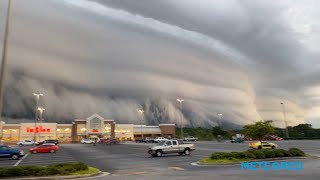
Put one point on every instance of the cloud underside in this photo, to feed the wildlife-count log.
(113, 58)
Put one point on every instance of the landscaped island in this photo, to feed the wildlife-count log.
(237, 157)
(61, 169)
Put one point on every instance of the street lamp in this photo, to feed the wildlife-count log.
(4, 54)
(220, 118)
(141, 111)
(285, 119)
(40, 128)
(35, 118)
(180, 101)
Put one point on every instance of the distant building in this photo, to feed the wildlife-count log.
(93, 126)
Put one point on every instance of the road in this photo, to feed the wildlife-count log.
(131, 161)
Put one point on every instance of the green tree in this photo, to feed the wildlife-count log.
(258, 130)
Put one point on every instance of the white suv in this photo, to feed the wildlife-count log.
(87, 141)
(159, 139)
(25, 143)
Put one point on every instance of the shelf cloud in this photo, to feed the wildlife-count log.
(110, 57)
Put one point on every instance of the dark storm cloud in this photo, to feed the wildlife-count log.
(114, 57)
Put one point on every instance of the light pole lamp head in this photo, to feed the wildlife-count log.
(37, 94)
(180, 100)
(41, 109)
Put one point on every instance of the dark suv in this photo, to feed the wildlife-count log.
(237, 140)
(8, 152)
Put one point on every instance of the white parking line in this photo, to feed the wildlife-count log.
(17, 163)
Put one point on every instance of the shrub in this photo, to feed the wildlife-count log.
(269, 153)
(279, 152)
(250, 155)
(55, 169)
(221, 155)
(80, 166)
(296, 152)
(257, 153)
(286, 153)
(238, 155)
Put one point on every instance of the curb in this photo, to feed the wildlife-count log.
(62, 177)
(256, 160)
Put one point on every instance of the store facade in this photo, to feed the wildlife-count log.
(94, 126)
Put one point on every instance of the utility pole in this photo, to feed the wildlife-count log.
(285, 119)
(220, 118)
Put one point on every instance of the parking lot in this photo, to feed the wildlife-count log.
(132, 159)
(38, 159)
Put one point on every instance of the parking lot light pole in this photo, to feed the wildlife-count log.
(41, 111)
(4, 54)
(36, 113)
(285, 119)
(181, 128)
(141, 111)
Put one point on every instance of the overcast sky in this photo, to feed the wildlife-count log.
(113, 57)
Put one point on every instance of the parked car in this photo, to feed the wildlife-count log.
(171, 146)
(190, 138)
(147, 140)
(26, 143)
(263, 145)
(237, 140)
(44, 148)
(87, 141)
(159, 139)
(8, 152)
(48, 141)
(272, 138)
(112, 141)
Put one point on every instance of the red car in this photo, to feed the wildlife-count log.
(45, 148)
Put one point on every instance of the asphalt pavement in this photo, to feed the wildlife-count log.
(131, 161)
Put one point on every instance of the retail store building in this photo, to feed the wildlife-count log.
(93, 126)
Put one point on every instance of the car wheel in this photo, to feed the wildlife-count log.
(34, 152)
(273, 147)
(187, 152)
(20, 144)
(159, 153)
(259, 147)
(180, 153)
(52, 151)
(14, 157)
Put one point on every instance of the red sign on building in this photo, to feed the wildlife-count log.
(38, 129)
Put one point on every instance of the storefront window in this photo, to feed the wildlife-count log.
(95, 125)
(10, 134)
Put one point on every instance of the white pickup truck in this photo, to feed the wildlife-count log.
(26, 143)
(171, 146)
